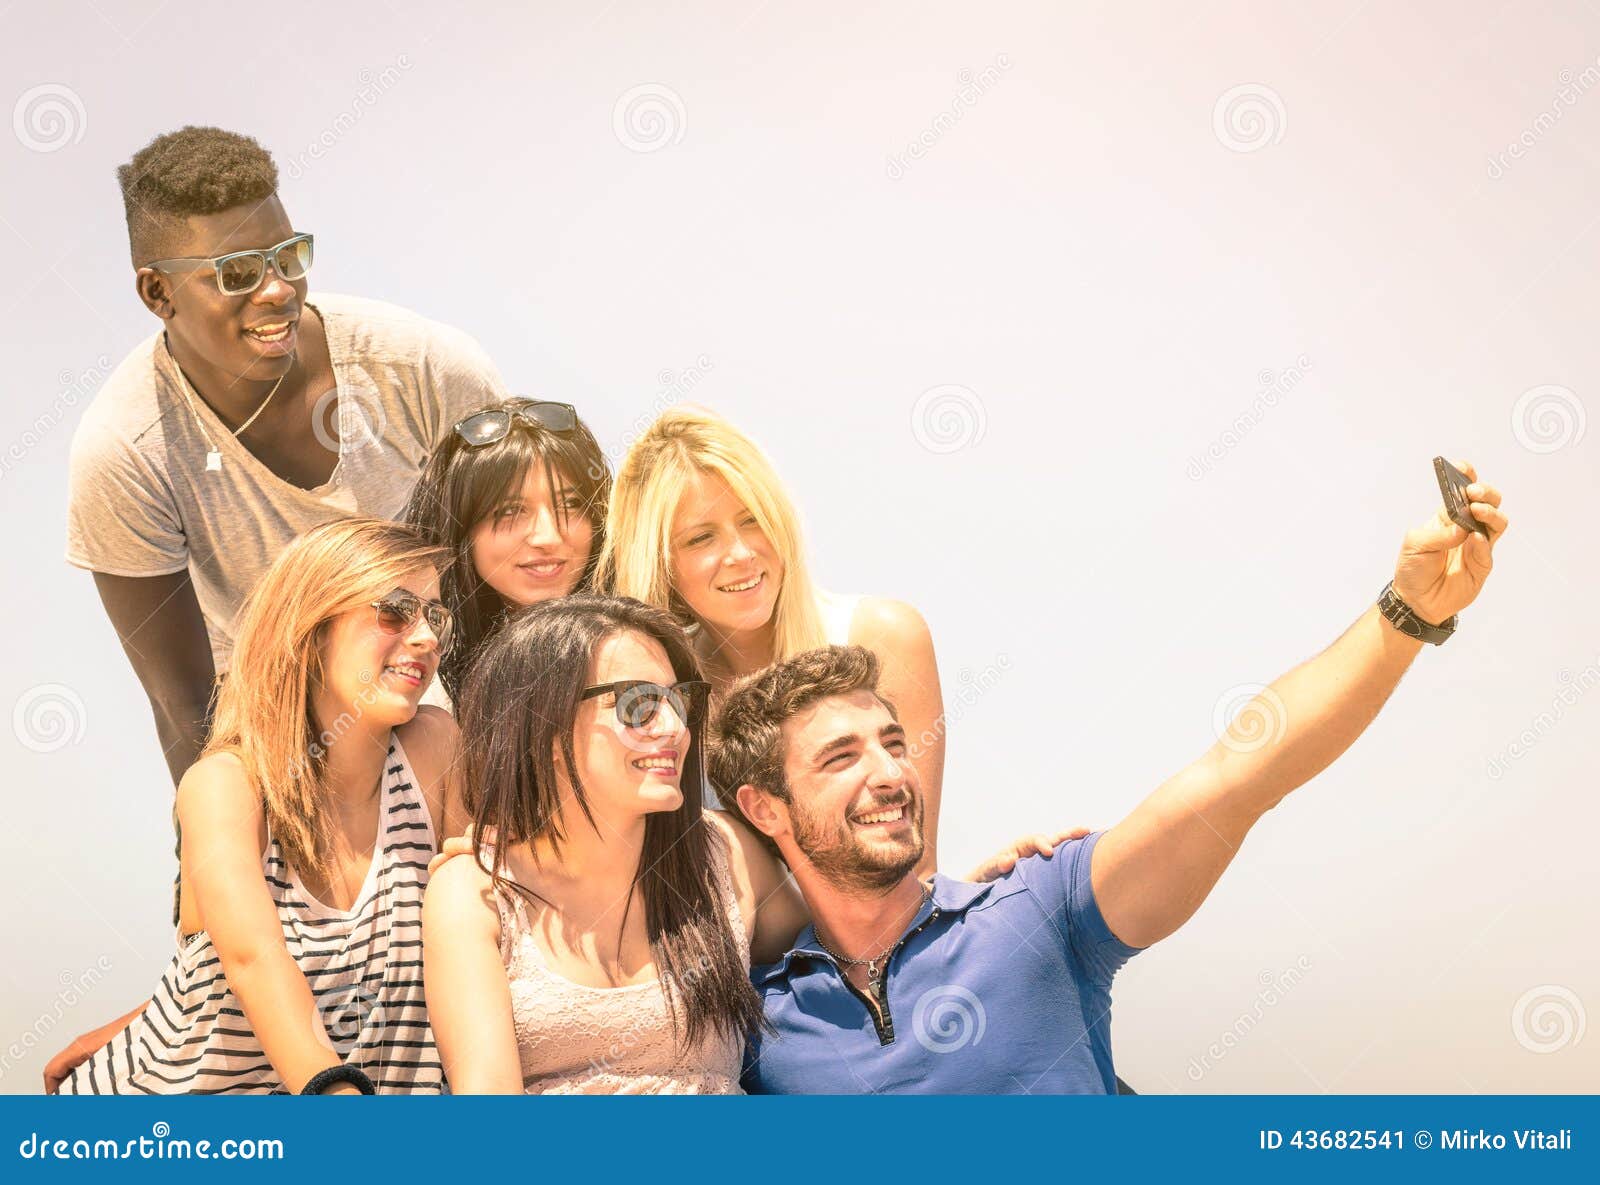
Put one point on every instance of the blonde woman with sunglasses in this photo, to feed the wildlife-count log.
(309, 822)
(700, 524)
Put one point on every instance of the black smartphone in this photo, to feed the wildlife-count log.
(1453, 488)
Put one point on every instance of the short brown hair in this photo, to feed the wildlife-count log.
(747, 731)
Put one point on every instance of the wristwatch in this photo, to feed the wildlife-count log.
(1404, 618)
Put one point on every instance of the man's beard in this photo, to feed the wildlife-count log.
(840, 855)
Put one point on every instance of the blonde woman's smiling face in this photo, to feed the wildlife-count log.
(723, 565)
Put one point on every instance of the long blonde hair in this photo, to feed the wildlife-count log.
(264, 709)
(636, 560)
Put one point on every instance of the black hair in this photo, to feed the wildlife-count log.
(195, 170)
(518, 709)
(461, 485)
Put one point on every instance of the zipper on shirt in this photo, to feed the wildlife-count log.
(882, 1017)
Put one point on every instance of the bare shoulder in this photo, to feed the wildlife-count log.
(879, 621)
(460, 889)
(430, 736)
(218, 780)
(216, 800)
(430, 739)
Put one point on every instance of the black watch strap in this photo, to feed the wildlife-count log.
(322, 1079)
(1404, 618)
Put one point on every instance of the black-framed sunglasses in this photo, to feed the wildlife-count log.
(399, 609)
(242, 272)
(488, 427)
(639, 700)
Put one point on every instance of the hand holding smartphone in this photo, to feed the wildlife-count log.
(1453, 488)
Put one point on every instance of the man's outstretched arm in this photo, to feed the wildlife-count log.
(1151, 871)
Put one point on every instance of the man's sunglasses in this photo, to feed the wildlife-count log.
(639, 700)
(242, 272)
(487, 427)
(398, 613)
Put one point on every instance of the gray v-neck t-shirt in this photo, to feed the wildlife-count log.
(143, 500)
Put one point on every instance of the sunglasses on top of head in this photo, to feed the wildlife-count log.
(488, 427)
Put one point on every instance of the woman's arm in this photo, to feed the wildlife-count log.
(223, 830)
(464, 980)
(898, 635)
(774, 912)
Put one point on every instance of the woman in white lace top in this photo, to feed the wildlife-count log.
(603, 943)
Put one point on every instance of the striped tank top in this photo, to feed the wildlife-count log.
(364, 967)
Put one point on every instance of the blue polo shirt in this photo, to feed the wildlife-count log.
(1003, 988)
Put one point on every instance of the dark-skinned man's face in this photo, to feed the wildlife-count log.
(234, 335)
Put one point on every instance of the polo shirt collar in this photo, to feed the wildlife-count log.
(951, 897)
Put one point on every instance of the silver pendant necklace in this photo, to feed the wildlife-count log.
(879, 963)
(214, 456)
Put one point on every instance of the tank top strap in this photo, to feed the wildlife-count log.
(513, 910)
(406, 817)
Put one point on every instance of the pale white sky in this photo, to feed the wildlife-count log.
(1013, 374)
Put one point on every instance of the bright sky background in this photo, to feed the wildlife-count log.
(1014, 376)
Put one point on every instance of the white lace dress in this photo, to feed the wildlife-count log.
(574, 1039)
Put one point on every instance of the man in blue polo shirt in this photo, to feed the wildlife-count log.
(902, 985)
